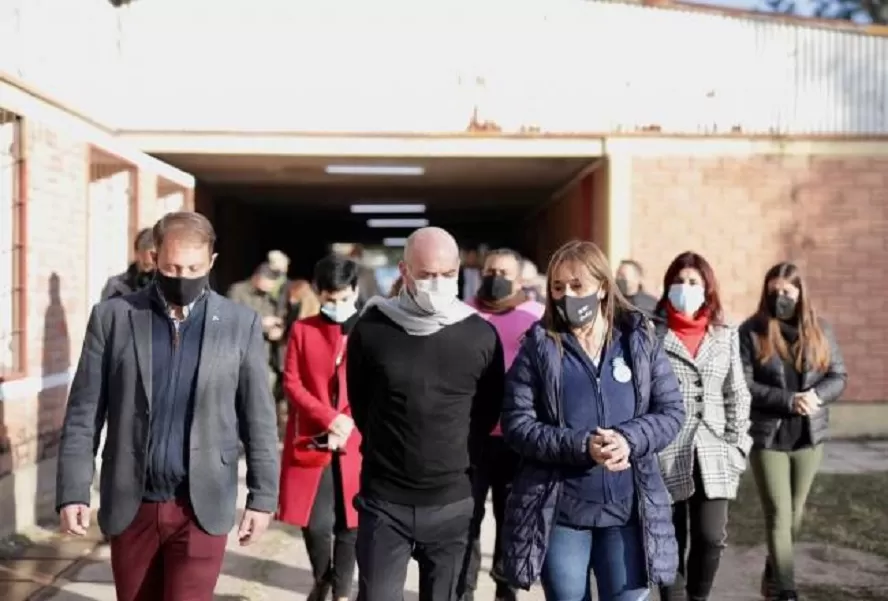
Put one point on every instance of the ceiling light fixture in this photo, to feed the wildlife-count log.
(406, 170)
(388, 208)
(394, 242)
(414, 223)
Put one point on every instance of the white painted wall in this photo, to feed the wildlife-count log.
(109, 217)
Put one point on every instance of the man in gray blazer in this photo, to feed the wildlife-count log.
(178, 373)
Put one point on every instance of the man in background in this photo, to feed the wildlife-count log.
(533, 285)
(368, 287)
(469, 274)
(501, 301)
(280, 264)
(630, 277)
(256, 293)
(140, 272)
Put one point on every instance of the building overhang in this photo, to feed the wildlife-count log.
(376, 145)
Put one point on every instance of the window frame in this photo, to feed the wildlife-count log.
(19, 256)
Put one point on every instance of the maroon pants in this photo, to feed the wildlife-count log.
(165, 556)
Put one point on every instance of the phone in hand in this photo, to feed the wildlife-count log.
(320, 442)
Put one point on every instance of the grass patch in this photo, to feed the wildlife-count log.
(846, 510)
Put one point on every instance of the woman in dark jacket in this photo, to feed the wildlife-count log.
(590, 401)
(794, 369)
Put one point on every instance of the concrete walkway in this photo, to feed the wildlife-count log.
(277, 568)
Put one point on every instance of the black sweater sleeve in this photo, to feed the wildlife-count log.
(488, 401)
(356, 380)
(833, 384)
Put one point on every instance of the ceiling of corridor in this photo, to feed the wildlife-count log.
(467, 182)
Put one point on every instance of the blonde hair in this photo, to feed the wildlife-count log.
(301, 292)
(613, 304)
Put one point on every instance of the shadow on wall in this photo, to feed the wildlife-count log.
(52, 399)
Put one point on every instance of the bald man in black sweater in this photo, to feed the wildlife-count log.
(425, 381)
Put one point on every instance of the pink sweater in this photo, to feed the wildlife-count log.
(511, 327)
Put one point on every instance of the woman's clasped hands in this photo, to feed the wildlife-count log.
(610, 449)
(806, 403)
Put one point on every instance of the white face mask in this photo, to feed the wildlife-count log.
(687, 298)
(339, 311)
(436, 294)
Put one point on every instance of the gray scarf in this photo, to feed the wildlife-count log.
(416, 321)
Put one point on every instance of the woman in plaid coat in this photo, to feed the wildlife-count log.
(702, 466)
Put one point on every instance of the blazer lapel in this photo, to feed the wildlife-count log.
(140, 320)
(211, 345)
(675, 347)
(708, 347)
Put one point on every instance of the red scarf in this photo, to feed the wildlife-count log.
(690, 330)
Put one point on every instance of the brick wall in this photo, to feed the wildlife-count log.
(56, 276)
(581, 213)
(828, 214)
(58, 171)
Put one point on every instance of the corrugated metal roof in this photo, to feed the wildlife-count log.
(559, 66)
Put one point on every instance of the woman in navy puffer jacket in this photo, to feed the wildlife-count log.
(590, 401)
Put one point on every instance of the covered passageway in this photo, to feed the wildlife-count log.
(301, 195)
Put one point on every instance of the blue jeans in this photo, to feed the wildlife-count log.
(615, 555)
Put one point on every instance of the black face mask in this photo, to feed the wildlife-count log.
(781, 306)
(623, 286)
(181, 292)
(577, 312)
(495, 287)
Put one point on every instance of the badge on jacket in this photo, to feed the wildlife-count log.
(621, 371)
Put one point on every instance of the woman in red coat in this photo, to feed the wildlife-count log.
(321, 464)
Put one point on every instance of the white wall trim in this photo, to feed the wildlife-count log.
(265, 144)
(26, 389)
(715, 146)
(17, 100)
(619, 208)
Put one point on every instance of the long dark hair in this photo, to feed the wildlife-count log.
(613, 306)
(696, 261)
(812, 345)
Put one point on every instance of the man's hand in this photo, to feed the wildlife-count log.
(342, 426)
(275, 333)
(74, 519)
(253, 525)
(270, 321)
(613, 449)
(806, 403)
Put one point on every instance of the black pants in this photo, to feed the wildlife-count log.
(703, 523)
(494, 472)
(328, 531)
(390, 534)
